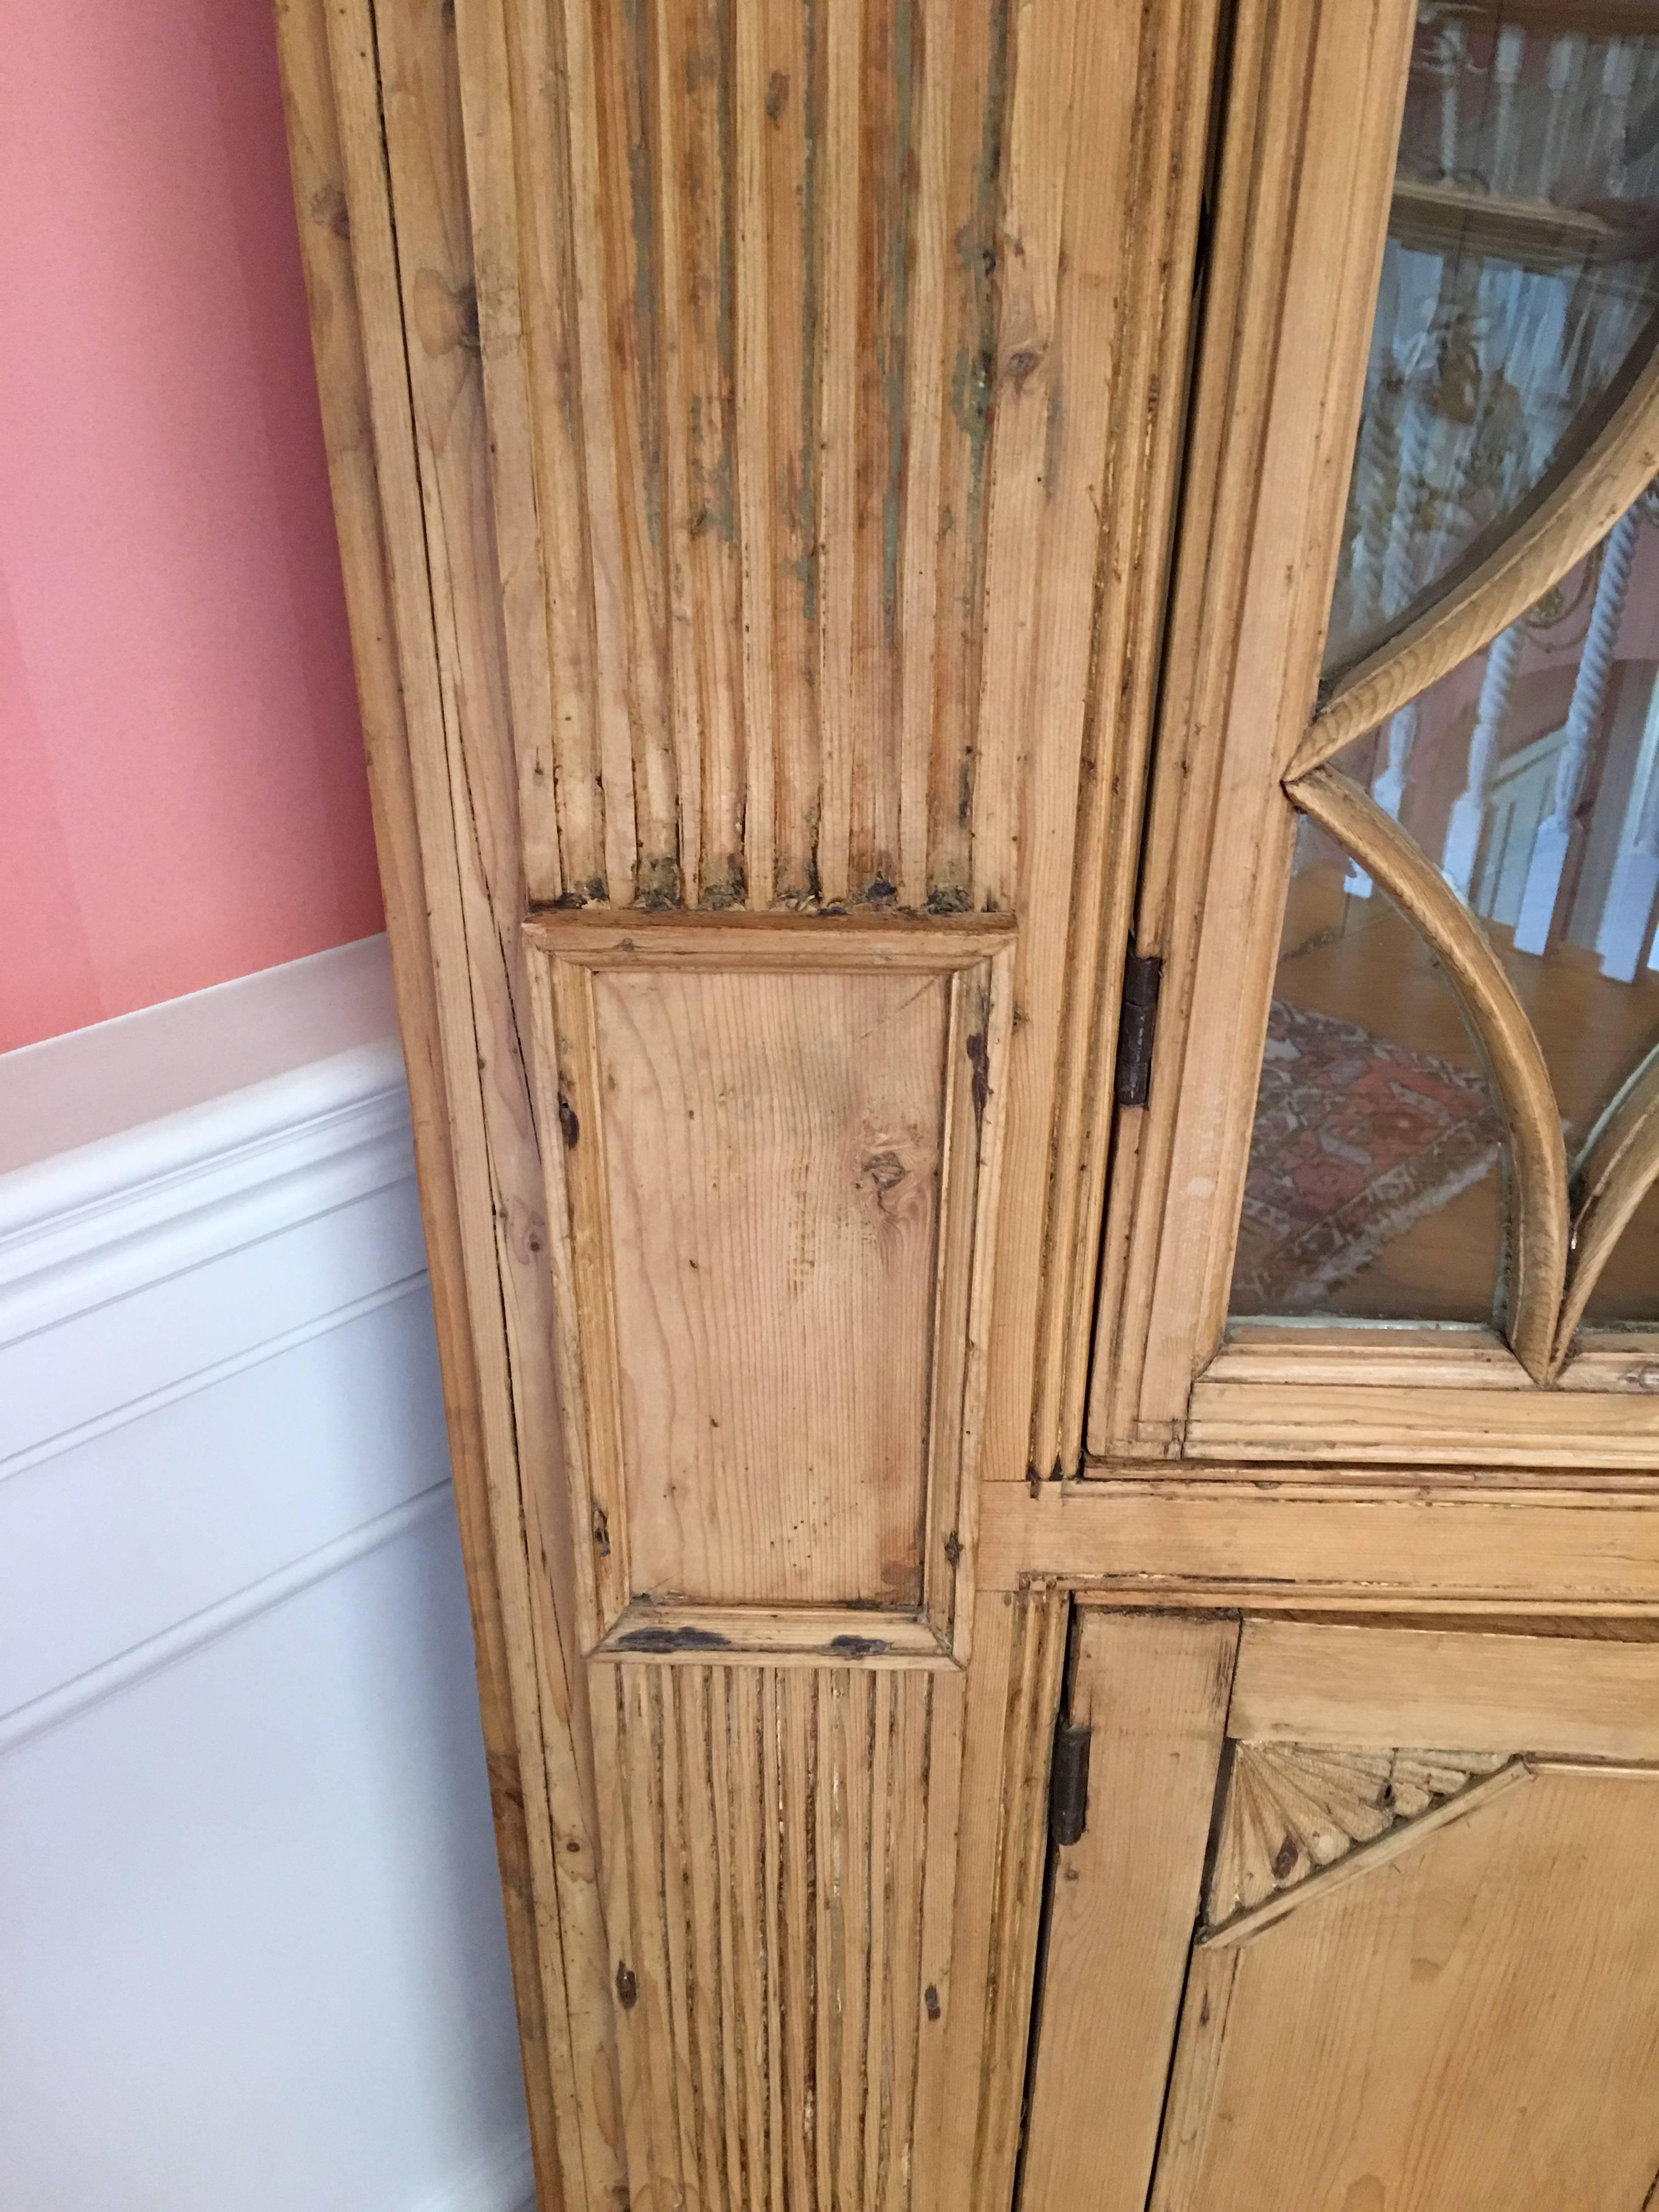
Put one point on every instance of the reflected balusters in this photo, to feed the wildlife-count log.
(1377, 493)
(1389, 784)
(1468, 814)
(1628, 915)
(1563, 75)
(1398, 577)
(1626, 918)
(1555, 832)
(1607, 151)
(1453, 48)
(1503, 156)
(1641, 132)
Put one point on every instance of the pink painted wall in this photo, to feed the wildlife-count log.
(182, 796)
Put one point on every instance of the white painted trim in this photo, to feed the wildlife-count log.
(115, 1217)
(257, 1828)
(132, 1268)
(204, 1377)
(77, 1089)
(503, 2180)
(186, 1636)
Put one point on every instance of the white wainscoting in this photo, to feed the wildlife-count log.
(250, 1947)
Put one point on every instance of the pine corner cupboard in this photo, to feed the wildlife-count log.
(1010, 650)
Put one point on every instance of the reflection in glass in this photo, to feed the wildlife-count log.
(1371, 1190)
(1529, 776)
(1519, 284)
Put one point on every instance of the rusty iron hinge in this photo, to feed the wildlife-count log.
(1068, 1781)
(1142, 974)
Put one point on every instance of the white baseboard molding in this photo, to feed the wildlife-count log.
(503, 2180)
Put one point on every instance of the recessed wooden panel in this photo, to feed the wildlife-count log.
(775, 1153)
(1473, 2021)
(772, 1152)
(1372, 1687)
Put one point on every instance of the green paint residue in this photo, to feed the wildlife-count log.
(723, 493)
(973, 380)
(805, 565)
(893, 350)
(643, 215)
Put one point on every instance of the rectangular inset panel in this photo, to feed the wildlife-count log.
(775, 1166)
(1439, 1954)
(773, 1145)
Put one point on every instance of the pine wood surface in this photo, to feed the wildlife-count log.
(1375, 1687)
(827, 350)
(1012, 1691)
(1239, 1533)
(619, 549)
(1535, 1153)
(1409, 2015)
(774, 1201)
(1154, 1689)
(774, 1834)
(756, 432)
(1589, 1434)
(1301, 209)
(753, 392)
(429, 871)
(1290, 1800)
(1420, 1976)
(724, 1099)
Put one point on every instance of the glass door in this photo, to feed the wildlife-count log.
(1394, 1194)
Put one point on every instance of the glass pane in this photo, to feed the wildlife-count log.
(1371, 1190)
(1519, 285)
(1530, 776)
(1628, 1287)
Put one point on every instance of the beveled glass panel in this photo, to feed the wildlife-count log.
(1519, 287)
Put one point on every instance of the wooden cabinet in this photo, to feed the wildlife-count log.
(1302, 1953)
(1008, 650)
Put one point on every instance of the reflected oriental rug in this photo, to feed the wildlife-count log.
(1355, 1138)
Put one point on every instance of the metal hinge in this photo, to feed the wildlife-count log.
(1142, 974)
(1068, 1781)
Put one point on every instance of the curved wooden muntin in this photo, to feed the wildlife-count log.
(1515, 1063)
(1617, 463)
(1617, 1168)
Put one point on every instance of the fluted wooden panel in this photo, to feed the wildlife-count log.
(765, 1878)
(752, 280)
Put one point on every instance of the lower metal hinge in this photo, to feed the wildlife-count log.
(1137, 1028)
(1068, 1783)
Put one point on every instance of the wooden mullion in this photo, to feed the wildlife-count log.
(1303, 201)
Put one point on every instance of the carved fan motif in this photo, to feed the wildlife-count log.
(1293, 1807)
